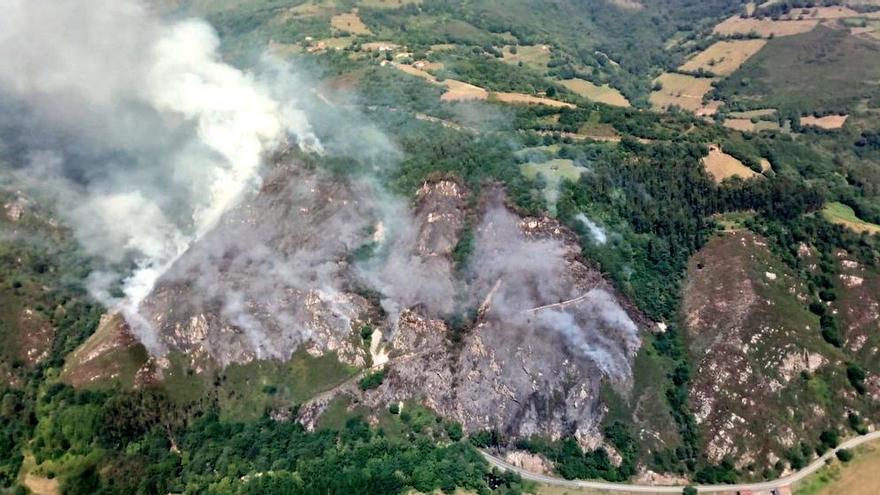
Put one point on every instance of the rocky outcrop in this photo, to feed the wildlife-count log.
(546, 333)
(752, 342)
(520, 340)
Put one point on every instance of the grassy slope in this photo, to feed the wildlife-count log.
(821, 70)
(246, 391)
(844, 215)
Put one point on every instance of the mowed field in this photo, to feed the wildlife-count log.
(722, 166)
(536, 56)
(822, 13)
(724, 57)
(603, 94)
(680, 90)
(349, 22)
(842, 214)
(826, 122)
(857, 477)
(746, 125)
(528, 100)
(462, 91)
(764, 27)
(762, 112)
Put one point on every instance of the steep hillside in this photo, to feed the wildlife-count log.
(338, 246)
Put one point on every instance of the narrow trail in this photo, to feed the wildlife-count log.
(632, 488)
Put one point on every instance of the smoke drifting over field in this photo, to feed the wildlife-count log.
(147, 136)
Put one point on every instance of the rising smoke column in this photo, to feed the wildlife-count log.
(147, 136)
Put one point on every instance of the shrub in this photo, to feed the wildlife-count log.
(829, 438)
(372, 380)
(844, 455)
(856, 376)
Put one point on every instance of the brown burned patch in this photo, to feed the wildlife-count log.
(751, 337)
(111, 355)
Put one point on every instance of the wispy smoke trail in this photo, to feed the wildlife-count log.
(597, 233)
(148, 136)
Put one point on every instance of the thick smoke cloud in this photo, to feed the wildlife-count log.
(147, 136)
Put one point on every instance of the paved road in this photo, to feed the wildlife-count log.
(622, 487)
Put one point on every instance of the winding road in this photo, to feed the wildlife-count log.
(623, 487)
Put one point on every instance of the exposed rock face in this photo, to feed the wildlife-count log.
(547, 332)
(270, 279)
(287, 271)
(530, 462)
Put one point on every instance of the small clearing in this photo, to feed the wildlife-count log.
(443, 47)
(722, 166)
(349, 22)
(537, 56)
(709, 109)
(307, 9)
(749, 114)
(42, 486)
(764, 27)
(603, 94)
(827, 122)
(340, 43)
(462, 91)
(680, 90)
(554, 172)
(381, 46)
(520, 98)
(415, 71)
(822, 13)
(746, 125)
(842, 214)
(724, 57)
(284, 49)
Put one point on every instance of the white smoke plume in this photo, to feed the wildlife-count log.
(528, 286)
(148, 136)
(597, 233)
